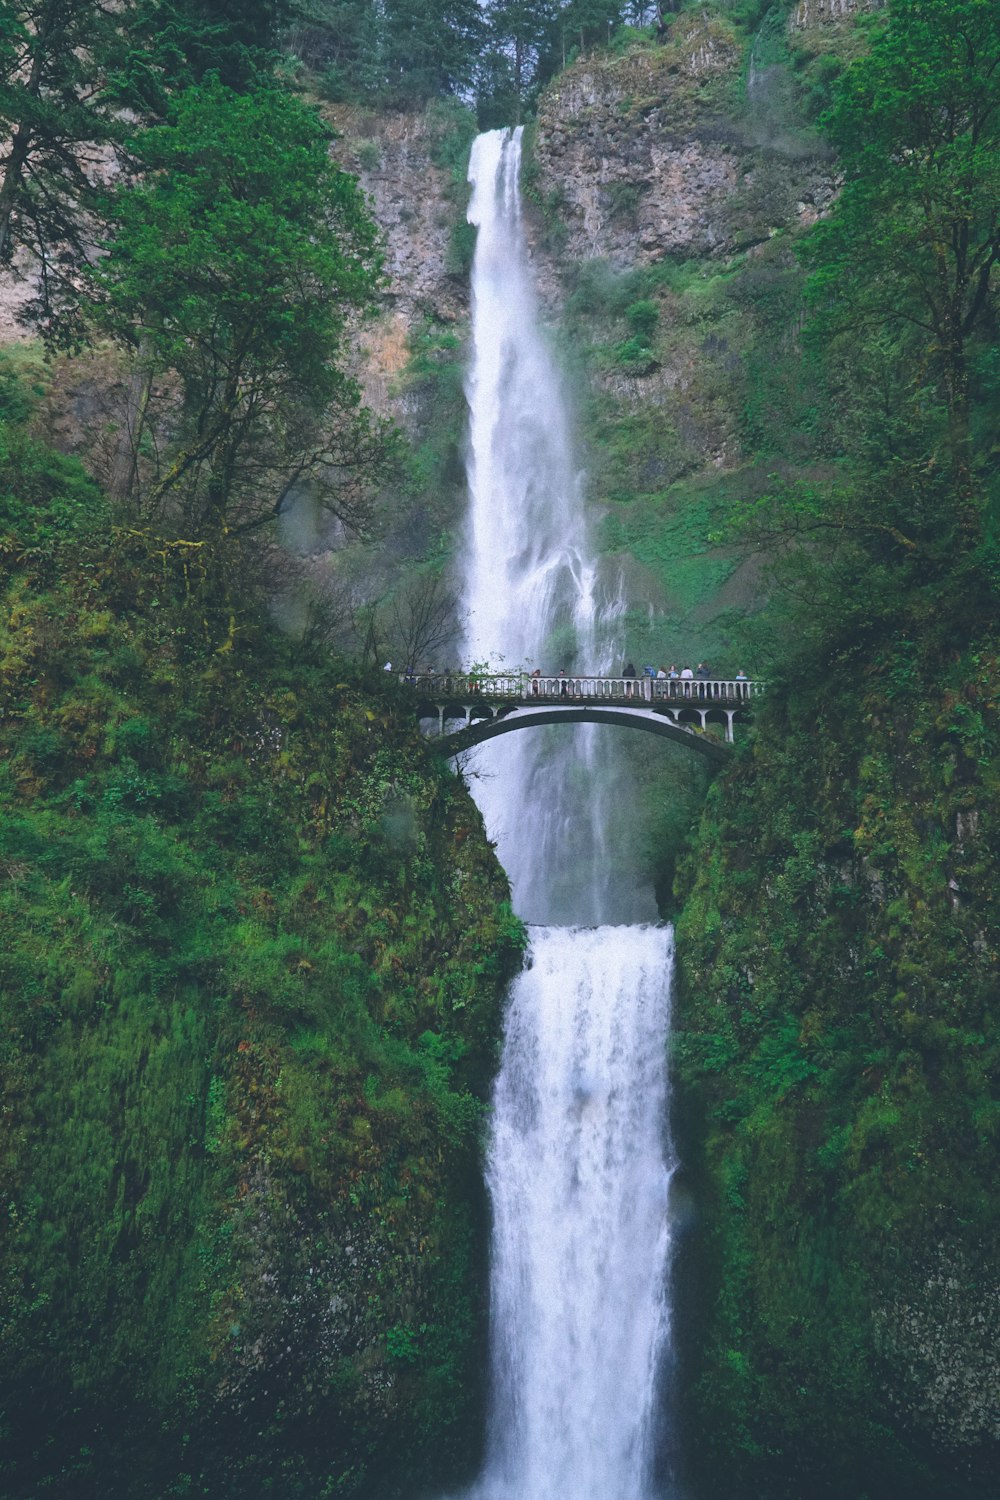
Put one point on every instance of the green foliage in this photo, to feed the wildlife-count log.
(518, 32)
(75, 76)
(252, 947)
(643, 316)
(412, 51)
(452, 129)
(839, 1049)
(51, 114)
(46, 500)
(236, 262)
(436, 375)
(915, 239)
(176, 43)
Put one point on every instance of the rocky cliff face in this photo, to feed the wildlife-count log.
(670, 184)
(810, 14)
(666, 176)
(657, 154)
(418, 201)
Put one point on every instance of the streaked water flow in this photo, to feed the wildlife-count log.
(579, 1162)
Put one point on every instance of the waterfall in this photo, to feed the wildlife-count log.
(531, 586)
(579, 1162)
(578, 1178)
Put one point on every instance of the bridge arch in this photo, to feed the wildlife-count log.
(510, 719)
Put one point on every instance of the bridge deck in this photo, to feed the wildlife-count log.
(521, 686)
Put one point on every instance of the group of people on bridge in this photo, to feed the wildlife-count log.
(665, 682)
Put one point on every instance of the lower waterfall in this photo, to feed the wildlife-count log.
(579, 1160)
(579, 1179)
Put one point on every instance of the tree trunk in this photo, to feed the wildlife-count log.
(13, 178)
(956, 384)
(126, 459)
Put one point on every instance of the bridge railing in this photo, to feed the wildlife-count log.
(466, 684)
(645, 689)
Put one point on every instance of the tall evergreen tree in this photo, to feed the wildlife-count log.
(404, 53)
(56, 116)
(74, 74)
(178, 42)
(518, 31)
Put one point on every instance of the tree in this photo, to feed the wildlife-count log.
(914, 240)
(174, 43)
(415, 50)
(517, 32)
(78, 78)
(237, 262)
(56, 116)
(329, 38)
(424, 617)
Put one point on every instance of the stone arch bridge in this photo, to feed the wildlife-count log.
(470, 708)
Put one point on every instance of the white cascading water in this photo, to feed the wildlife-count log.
(579, 1185)
(530, 578)
(579, 1162)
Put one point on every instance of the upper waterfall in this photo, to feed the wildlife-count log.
(531, 586)
(529, 575)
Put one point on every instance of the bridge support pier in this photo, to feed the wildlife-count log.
(441, 709)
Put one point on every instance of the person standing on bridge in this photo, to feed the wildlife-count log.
(536, 682)
(628, 672)
(687, 678)
(563, 683)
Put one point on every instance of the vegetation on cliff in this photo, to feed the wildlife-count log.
(254, 941)
(839, 1052)
(254, 944)
(839, 1055)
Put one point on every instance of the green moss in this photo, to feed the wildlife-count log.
(837, 1055)
(252, 948)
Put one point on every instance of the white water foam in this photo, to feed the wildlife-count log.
(579, 1162)
(579, 1178)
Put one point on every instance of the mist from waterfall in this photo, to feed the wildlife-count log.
(579, 1162)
